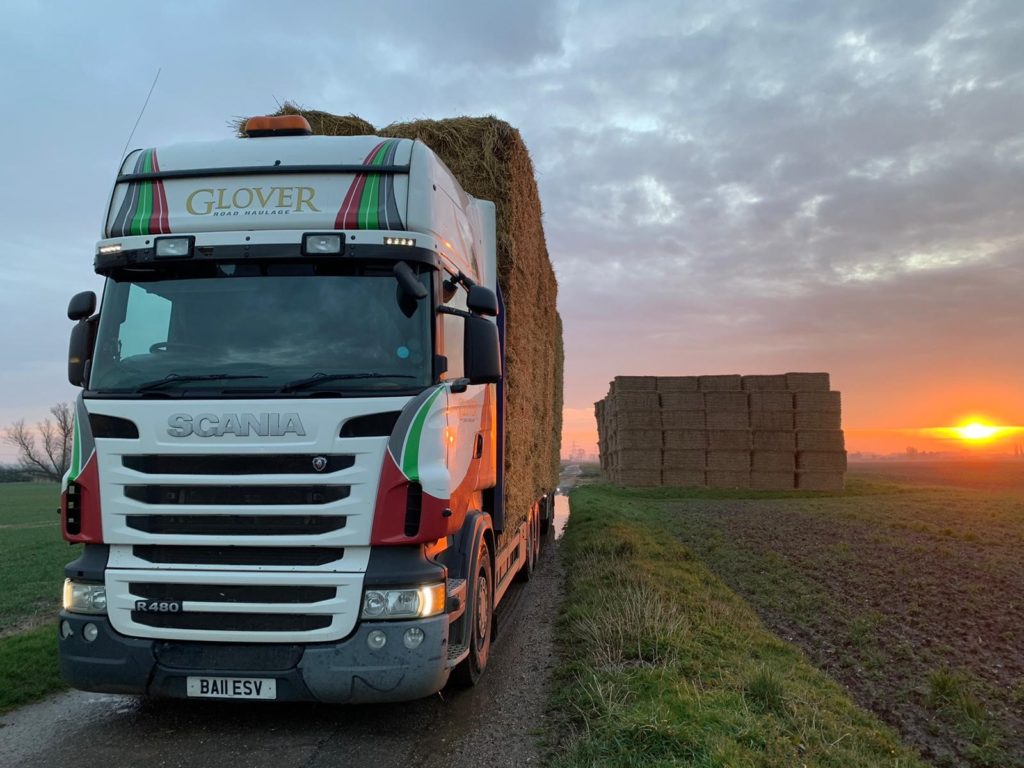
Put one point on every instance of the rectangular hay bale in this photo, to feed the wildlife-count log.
(772, 481)
(682, 439)
(821, 461)
(638, 477)
(693, 458)
(772, 420)
(731, 381)
(808, 382)
(820, 440)
(682, 401)
(639, 438)
(624, 402)
(773, 461)
(682, 420)
(771, 401)
(820, 481)
(727, 478)
(678, 384)
(639, 458)
(635, 384)
(684, 478)
(764, 383)
(817, 420)
(725, 419)
(774, 441)
(638, 420)
(729, 439)
(729, 460)
(725, 401)
(818, 401)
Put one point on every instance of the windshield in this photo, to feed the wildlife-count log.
(277, 327)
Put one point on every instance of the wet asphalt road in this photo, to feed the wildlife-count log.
(497, 723)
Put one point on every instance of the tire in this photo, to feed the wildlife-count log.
(480, 622)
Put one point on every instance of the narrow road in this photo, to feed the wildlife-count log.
(495, 724)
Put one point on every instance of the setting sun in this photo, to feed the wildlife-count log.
(977, 431)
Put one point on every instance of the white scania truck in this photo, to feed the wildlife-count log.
(286, 470)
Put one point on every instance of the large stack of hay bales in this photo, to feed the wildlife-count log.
(765, 432)
(490, 161)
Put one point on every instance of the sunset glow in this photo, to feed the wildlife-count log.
(977, 431)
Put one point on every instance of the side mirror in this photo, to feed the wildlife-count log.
(482, 351)
(407, 282)
(80, 349)
(482, 300)
(82, 305)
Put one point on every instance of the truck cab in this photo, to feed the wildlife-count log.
(286, 469)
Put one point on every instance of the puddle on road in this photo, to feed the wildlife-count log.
(561, 514)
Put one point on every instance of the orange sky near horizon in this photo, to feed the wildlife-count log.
(579, 430)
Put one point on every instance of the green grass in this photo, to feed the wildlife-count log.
(28, 667)
(32, 559)
(32, 555)
(910, 598)
(664, 665)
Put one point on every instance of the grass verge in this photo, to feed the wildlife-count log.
(32, 559)
(28, 667)
(666, 666)
(32, 555)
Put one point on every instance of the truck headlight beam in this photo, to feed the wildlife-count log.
(412, 603)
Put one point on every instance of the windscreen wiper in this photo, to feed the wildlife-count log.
(174, 378)
(318, 378)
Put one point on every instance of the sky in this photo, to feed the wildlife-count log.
(728, 187)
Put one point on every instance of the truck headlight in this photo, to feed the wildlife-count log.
(413, 603)
(84, 597)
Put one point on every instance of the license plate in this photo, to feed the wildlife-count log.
(231, 687)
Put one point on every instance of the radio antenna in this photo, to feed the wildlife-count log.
(141, 113)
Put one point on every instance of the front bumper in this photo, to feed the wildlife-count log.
(347, 671)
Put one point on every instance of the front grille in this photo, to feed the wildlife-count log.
(242, 464)
(237, 495)
(371, 425)
(232, 622)
(236, 525)
(234, 657)
(227, 555)
(233, 593)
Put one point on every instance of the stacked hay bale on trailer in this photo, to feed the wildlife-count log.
(766, 432)
(488, 158)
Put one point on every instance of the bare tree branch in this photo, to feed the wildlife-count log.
(53, 458)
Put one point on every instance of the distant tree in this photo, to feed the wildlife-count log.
(50, 454)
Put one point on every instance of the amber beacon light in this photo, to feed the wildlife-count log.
(279, 125)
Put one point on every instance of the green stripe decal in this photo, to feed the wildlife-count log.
(411, 454)
(370, 201)
(140, 221)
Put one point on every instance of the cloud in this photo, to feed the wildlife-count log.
(727, 185)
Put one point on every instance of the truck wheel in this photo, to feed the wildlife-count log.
(480, 621)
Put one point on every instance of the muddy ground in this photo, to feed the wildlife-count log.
(498, 723)
(914, 601)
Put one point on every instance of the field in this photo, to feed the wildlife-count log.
(32, 559)
(909, 593)
(664, 665)
(33, 555)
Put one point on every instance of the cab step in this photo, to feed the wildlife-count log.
(456, 653)
(455, 599)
